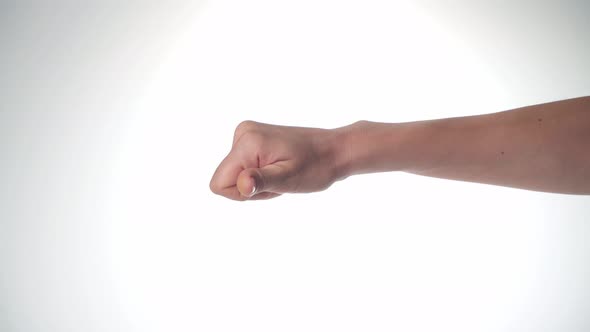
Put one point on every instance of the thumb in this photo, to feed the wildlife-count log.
(252, 181)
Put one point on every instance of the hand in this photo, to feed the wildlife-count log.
(268, 160)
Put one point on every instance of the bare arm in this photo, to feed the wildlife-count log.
(543, 147)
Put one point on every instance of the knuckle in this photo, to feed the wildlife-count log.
(245, 126)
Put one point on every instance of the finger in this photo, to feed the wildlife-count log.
(270, 178)
(246, 184)
(232, 193)
(225, 176)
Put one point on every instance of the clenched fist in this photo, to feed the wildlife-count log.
(266, 161)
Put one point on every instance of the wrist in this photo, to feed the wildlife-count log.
(347, 143)
(369, 147)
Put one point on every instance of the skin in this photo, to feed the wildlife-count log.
(543, 147)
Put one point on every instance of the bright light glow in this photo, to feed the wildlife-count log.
(380, 252)
(110, 224)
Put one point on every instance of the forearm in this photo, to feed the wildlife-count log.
(542, 147)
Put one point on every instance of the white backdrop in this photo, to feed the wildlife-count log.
(113, 118)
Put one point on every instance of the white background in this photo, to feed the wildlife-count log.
(113, 117)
